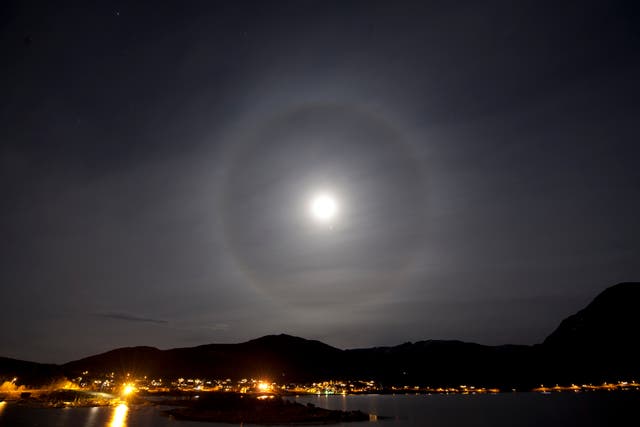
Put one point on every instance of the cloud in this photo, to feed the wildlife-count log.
(131, 317)
(218, 327)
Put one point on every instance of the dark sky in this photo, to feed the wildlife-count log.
(157, 161)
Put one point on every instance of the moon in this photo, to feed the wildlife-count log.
(323, 208)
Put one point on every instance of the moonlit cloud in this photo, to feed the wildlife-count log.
(131, 317)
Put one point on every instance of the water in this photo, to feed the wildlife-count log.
(494, 410)
(512, 410)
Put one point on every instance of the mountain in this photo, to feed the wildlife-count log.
(596, 344)
(611, 319)
(28, 372)
(440, 363)
(281, 357)
(601, 339)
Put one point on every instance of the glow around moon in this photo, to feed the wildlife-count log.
(323, 208)
(308, 198)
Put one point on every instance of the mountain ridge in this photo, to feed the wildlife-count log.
(594, 344)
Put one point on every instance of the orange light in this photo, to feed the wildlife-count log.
(128, 389)
(119, 417)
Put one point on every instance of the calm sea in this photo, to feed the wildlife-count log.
(517, 409)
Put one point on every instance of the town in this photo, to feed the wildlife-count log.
(126, 384)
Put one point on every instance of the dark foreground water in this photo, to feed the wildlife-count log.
(517, 409)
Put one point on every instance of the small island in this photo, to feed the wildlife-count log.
(264, 409)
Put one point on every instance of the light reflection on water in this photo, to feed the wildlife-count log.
(119, 416)
(502, 410)
(91, 418)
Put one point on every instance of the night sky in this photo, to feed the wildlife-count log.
(157, 164)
